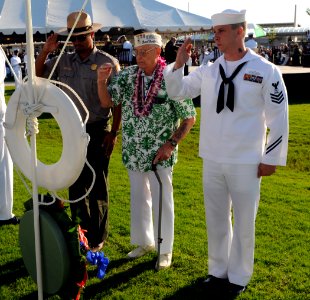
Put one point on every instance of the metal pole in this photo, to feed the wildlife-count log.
(36, 216)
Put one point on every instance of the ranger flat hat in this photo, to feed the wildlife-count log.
(227, 17)
(83, 26)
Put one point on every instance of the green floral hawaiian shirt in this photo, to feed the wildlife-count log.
(143, 136)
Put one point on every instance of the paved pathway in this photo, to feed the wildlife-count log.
(294, 70)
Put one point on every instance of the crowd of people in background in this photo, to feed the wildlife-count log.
(202, 53)
(279, 55)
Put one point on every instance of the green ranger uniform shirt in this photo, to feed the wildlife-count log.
(81, 76)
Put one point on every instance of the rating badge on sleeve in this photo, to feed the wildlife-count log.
(277, 96)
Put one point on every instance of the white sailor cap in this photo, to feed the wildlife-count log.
(147, 38)
(227, 17)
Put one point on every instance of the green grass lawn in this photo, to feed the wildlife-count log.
(282, 263)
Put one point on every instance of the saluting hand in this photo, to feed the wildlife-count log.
(51, 43)
(184, 53)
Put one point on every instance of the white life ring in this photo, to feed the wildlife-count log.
(63, 173)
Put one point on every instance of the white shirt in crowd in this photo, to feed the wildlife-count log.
(15, 62)
(252, 44)
(128, 45)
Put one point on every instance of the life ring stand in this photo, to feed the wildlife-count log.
(52, 99)
(55, 253)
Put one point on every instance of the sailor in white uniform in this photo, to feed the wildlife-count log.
(251, 43)
(242, 95)
(16, 65)
(6, 165)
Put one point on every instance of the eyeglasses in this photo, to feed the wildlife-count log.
(78, 38)
(142, 53)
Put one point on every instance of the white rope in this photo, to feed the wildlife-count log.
(41, 201)
(20, 174)
(27, 106)
(76, 95)
(31, 111)
(54, 194)
(32, 125)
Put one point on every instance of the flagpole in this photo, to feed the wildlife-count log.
(36, 216)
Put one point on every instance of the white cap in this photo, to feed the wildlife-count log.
(227, 17)
(148, 38)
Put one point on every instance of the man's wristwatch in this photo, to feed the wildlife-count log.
(173, 142)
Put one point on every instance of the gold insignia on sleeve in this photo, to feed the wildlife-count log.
(94, 67)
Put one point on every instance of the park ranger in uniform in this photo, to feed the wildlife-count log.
(79, 71)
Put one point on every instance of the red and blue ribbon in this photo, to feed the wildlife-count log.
(98, 258)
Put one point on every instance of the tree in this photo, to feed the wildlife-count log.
(271, 35)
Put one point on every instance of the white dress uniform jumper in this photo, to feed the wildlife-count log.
(233, 142)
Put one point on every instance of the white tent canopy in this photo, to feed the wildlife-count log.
(48, 15)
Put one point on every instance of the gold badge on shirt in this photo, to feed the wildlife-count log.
(93, 67)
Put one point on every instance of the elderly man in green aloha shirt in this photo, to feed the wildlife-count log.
(151, 131)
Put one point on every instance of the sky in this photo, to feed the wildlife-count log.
(258, 11)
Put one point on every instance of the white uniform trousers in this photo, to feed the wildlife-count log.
(6, 180)
(144, 190)
(19, 75)
(231, 190)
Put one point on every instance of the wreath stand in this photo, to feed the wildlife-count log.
(43, 244)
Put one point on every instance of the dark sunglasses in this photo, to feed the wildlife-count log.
(79, 38)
